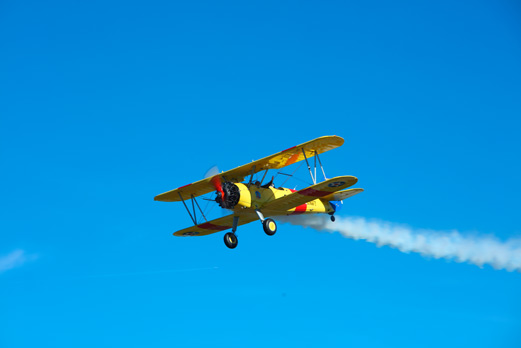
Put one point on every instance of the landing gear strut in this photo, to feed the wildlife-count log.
(230, 239)
(269, 225)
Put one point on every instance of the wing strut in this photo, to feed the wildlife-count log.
(266, 172)
(251, 177)
(309, 168)
(188, 210)
(314, 177)
(194, 217)
(195, 200)
(320, 162)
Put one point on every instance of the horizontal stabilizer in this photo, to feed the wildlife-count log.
(341, 195)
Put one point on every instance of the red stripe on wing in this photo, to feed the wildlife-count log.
(314, 193)
(292, 159)
(210, 226)
(290, 148)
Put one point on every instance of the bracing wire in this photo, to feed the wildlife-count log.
(293, 174)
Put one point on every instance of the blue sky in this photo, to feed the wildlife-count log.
(103, 105)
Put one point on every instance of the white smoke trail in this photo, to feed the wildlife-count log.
(478, 250)
(14, 259)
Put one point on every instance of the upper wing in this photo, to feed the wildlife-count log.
(320, 190)
(216, 225)
(196, 189)
(287, 157)
(284, 158)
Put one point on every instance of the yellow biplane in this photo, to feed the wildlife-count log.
(251, 200)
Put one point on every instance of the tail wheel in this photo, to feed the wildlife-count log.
(333, 218)
(270, 227)
(230, 239)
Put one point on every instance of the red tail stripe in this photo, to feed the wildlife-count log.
(300, 209)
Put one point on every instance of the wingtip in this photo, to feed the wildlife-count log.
(158, 198)
(341, 140)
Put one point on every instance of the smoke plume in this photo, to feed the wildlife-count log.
(14, 259)
(452, 245)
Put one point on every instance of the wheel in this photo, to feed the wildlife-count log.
(270, 227)
(230, 239)
(333, 218)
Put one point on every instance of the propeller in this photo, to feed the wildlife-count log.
(213, 172)
(216, 182)
(228, 194)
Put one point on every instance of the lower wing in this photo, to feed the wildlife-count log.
(217, 225)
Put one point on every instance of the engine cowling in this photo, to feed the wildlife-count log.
(232, 195)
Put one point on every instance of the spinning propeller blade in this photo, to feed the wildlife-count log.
(216, 181)
(213, 172)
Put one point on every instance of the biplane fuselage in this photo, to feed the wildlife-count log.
(251, 201)
(255, 197)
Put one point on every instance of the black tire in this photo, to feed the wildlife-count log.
(270, 226)
(333, 218)
(231, 241)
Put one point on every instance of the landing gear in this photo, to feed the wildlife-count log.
(230, 239)
(270, 227)
(333, 218)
